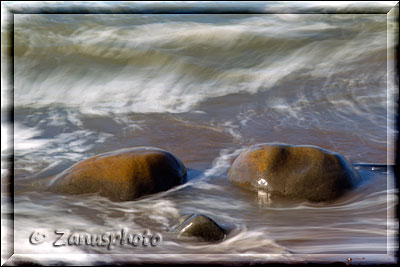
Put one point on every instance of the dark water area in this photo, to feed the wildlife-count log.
(204, 87)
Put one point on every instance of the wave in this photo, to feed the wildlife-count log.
(98, 66)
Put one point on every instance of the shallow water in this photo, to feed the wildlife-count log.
(204, 87)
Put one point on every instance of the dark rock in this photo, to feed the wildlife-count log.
(298, 172)
(122, 175)
(199, 226)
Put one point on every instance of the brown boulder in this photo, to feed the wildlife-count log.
(298, 172)
(122, 175)
(200, 227)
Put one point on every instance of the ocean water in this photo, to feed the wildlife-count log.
(204, 87)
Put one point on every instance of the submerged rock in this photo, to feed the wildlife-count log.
(304, 172)
(199, 226)
(122, 175)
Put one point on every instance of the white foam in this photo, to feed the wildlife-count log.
(36, 155)
(173, 78)
(222, 163)
(24, 138)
